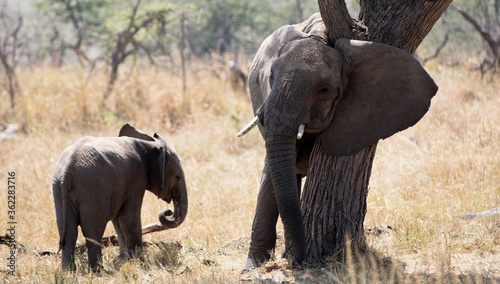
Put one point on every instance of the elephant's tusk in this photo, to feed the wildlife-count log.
(301, 131)
(248, 127)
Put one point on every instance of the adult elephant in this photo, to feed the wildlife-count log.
(354, 94)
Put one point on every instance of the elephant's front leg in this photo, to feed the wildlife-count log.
(263, 238)
(288, 240)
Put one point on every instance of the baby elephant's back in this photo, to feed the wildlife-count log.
(97, 157)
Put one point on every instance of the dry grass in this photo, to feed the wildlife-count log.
(447, 165)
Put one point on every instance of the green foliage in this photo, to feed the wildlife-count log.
(222, 22)
(77, 13)
(224, 25)
(211, 25)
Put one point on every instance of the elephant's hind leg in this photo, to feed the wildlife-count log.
(68, 242)
(94, 250)
(93, 228)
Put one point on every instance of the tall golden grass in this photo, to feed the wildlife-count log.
(423, 178)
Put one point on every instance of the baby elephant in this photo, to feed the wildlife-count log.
(99, 179)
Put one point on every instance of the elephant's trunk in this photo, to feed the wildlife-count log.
(282, 155)
(171, 219)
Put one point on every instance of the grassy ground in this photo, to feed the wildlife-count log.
(422, 179)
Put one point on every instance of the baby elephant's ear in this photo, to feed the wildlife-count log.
(387, 91)
(130, 131)
(156, 170)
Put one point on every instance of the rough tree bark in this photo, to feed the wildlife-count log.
(334, 197)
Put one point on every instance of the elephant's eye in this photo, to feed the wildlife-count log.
(177, 178)
(323, 88)
(271, 78)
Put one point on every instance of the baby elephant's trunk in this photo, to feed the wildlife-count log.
(171, 219)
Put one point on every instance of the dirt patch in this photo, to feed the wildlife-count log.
(468, 267)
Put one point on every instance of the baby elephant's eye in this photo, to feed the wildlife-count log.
(177, 178)
(324, 88)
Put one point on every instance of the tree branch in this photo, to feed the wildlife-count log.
(484, 34)
(438, 50)
(72, 16)
(405, 28)
(139, 45)
(11, 39)
(131, 24)
(111, 240)
(338, 22)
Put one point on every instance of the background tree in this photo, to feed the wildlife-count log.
(485, 18)
(114, 29)
(11, 47)
(334, 198)
(91, 32)
(222, 23)
(75, 26)
(465, 44)
(133, 38)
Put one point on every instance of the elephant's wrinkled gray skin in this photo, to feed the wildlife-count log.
(99, 179)
(354, 94)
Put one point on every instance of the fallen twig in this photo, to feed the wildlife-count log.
(486, 213)
(111, 240)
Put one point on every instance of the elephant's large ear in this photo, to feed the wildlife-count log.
(156, 170)
(130, 131)
(387, 91)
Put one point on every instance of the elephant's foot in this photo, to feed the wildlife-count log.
(124, 256)
(121, 259)
(249, 266)
(255, 260)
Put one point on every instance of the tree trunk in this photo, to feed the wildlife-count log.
(334, 198)
(334, 201)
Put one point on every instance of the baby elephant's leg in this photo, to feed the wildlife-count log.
(121, 238)
(68, 243)
(129, 222)
(93, 229)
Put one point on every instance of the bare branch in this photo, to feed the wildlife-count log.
(438, 50)
(139, 45)
(77, 47)
(9, 59)
(112, 240)
(126, 38)
(133, 16)
(494, 45)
